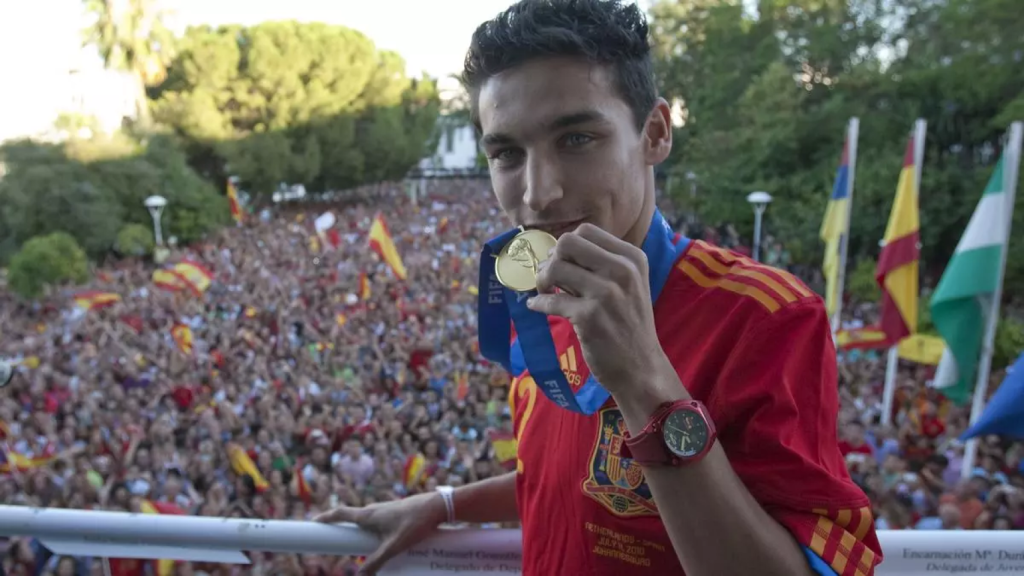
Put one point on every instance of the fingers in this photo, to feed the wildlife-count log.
(556, 273)
(374, 562)
(341, 514)
(564, 305)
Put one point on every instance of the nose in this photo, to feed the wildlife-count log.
(543, 183)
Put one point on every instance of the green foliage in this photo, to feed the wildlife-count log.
(134, 240)
(861, 283)
(768, 92)
(47, 260)
(287, 102)
(1009, 342)
(91, 189)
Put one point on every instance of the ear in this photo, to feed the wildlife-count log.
(657, 134)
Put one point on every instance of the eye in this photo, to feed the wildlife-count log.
(575, 139)
(506, 155)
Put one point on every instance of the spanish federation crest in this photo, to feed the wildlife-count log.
(616, 482)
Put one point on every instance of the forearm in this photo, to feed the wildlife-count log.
(715, 525)
(491, 500)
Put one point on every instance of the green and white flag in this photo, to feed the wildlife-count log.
(960, 304)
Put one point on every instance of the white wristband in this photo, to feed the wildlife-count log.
(446, 493)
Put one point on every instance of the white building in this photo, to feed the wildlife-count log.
(457, 148)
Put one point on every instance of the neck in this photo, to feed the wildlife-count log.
(638, 231)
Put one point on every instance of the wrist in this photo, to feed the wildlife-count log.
(640, 398)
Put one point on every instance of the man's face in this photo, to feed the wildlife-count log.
(563, 147)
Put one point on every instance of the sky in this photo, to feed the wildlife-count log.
(40, 42)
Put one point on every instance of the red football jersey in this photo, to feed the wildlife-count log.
(753, 344)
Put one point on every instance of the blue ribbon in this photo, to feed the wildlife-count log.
(534, 348)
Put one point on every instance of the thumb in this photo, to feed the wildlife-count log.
(340, 514)
(374, 562)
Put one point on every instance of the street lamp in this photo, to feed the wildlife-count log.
(155, 205)
(759, 200)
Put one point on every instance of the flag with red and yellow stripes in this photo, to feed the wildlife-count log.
(164, 567)
(184, 275)
(236, 208)
(182, 335)
(412, 474)
(866, 338)
(364, 286)
(243, 465)
(302, 488)
(897, 271)
(11, 461)
(95, 299)
(711, 267)
(382, 243)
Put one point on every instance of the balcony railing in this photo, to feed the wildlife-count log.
(467, 552)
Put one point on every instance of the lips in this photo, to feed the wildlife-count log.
(556, 229)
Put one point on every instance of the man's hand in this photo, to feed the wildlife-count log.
(604, 292)
(400, 524)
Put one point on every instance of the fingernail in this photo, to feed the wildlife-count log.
(529, 302)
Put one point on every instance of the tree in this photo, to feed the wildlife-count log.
(130, 37)
(134, 240)
(287, 102)
(47, 260)
(768, 88)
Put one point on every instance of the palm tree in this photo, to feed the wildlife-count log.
(130, 37)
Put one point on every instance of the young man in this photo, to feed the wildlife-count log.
(565, 102)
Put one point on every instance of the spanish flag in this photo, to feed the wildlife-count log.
(866, 338)
(504, 444)
(236, 208)
(897, 272)
(12, 461)
(195, 275)
(94, 299)
(243, 465)
(302, 489)
(384, 246)
(163, 567)
(413, 472)
(183, 338)
(443, 225)
(184, 275)
(835, 230)
(364, 286)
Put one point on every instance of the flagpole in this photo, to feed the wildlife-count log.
(1010, 171)
(892, 365)
(852, 131)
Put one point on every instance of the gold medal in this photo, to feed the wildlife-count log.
(516, 264)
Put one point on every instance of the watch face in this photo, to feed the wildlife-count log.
(686, 433)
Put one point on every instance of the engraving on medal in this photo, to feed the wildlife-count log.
(517, 265)
(520, 251)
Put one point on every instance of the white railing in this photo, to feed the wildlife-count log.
(467, 552)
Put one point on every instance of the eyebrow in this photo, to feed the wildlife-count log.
(560, 123)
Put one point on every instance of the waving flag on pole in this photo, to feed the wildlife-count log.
(1004, 414)
(384, 246)
(897, 272)
(962, 300)
(243, 465)
(364, 286)
(236, 208)
(835, 228)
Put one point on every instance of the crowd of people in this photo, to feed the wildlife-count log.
(314, 376)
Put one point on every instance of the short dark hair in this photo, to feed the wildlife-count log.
(606, 32)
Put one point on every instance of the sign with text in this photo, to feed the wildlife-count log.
(907, 553)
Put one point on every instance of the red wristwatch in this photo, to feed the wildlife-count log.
(678, 433)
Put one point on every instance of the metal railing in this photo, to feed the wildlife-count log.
(467, 552)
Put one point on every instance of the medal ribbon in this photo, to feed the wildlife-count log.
(534, 349)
